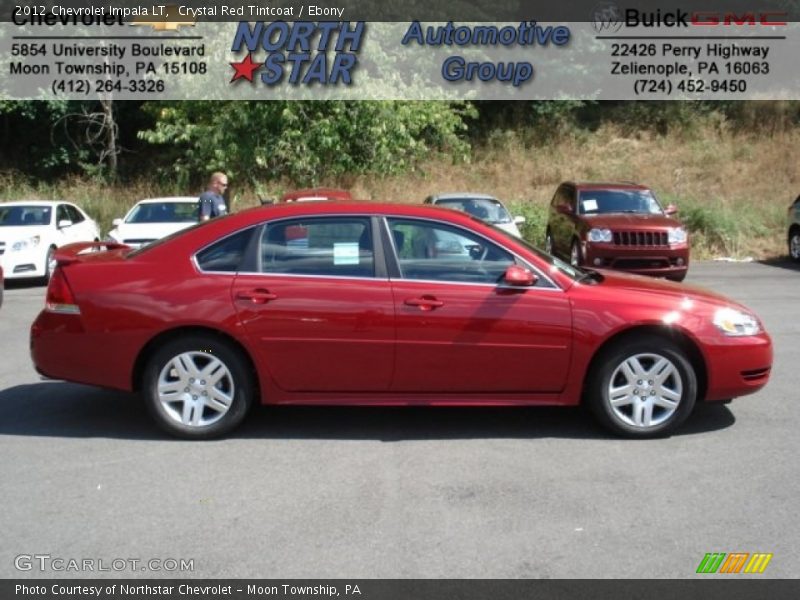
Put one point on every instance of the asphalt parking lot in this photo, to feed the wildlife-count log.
(403, 493)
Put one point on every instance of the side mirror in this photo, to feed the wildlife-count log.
(671, 210)
(519, 276)
(63, 223)
(116, 222)
(519, 220)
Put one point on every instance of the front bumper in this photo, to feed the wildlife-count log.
(24, 263)
(657, 261)
(737, 366)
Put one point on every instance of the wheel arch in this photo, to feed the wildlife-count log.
(165, 336)
(793, 228)
(677, 336)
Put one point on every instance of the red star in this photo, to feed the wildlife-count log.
(245, 68)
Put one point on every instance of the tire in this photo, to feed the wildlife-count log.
(629, 371)
(575, 258)
(548, 242)
(794, 244)
(185, 404)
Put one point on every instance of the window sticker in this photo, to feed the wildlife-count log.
(589, 205)
(345, 254)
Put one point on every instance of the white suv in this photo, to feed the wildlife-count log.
(30, 232)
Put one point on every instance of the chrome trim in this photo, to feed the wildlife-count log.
(384, 217)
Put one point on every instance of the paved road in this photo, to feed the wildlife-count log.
(302, 492)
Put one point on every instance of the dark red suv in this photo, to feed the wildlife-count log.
(617, 226)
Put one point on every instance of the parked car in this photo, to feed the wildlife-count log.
(30, 232)
(2, 284)
(617, 226)
(220, 316)
(484, 207)
(150, 220)
(316, 194)
(794, 230)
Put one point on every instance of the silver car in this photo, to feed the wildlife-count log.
(794, 230)
(485, 207)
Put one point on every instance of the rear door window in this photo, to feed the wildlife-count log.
(320, 246)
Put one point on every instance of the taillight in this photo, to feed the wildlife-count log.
(59, 295)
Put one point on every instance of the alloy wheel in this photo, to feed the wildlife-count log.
(645, 390)
(195, 389)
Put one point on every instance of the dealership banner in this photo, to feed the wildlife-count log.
(400, 589)
(248, 50)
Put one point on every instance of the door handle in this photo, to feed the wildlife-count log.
(424, 303)
(257, 296)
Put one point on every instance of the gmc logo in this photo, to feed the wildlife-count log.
(733, 19)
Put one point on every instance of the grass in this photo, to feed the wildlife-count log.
(731, 189)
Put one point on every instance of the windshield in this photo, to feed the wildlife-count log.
(163, 212)
(486, 209)
(598, 202)
(20, 216)
(556, 264)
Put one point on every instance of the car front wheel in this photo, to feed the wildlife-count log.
(575, 258)
(548, 242)
(198, 387)
(643, 388)
(794, 245)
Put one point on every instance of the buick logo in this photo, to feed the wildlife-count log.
(606, 18)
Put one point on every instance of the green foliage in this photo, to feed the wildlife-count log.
(306, 142)
(533, 229)
(722, 228)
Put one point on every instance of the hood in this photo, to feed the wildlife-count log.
(509, 227)
(147, 231)
(630, 221)
(660, 287)
(9, 235)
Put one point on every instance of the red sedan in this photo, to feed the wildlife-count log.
(384, 304)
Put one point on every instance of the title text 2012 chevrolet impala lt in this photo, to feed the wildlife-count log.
(384, 304)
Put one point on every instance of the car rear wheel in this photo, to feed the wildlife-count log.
(642, 388)
(575, 258)
(198, 387)
(794, 244)
(49, 265)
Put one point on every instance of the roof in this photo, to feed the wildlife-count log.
(35, 202)
(457, 195)
(320, 193)
(612, 185)
(169, 199)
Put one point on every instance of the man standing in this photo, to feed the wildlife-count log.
(211, 203)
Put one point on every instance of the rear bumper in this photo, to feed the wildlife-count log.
(671, 261)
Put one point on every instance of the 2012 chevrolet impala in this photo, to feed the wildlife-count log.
(384, 304)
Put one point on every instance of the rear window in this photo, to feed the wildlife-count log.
(225, 255)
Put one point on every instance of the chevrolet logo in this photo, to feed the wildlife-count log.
(169, 21)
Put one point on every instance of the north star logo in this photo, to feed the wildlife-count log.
(170, 20)
(298, 53)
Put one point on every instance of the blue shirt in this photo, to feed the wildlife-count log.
(211, 205)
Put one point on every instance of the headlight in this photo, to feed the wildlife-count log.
(600, 235)
(676, 235)
(31, 242)
(734, 322)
